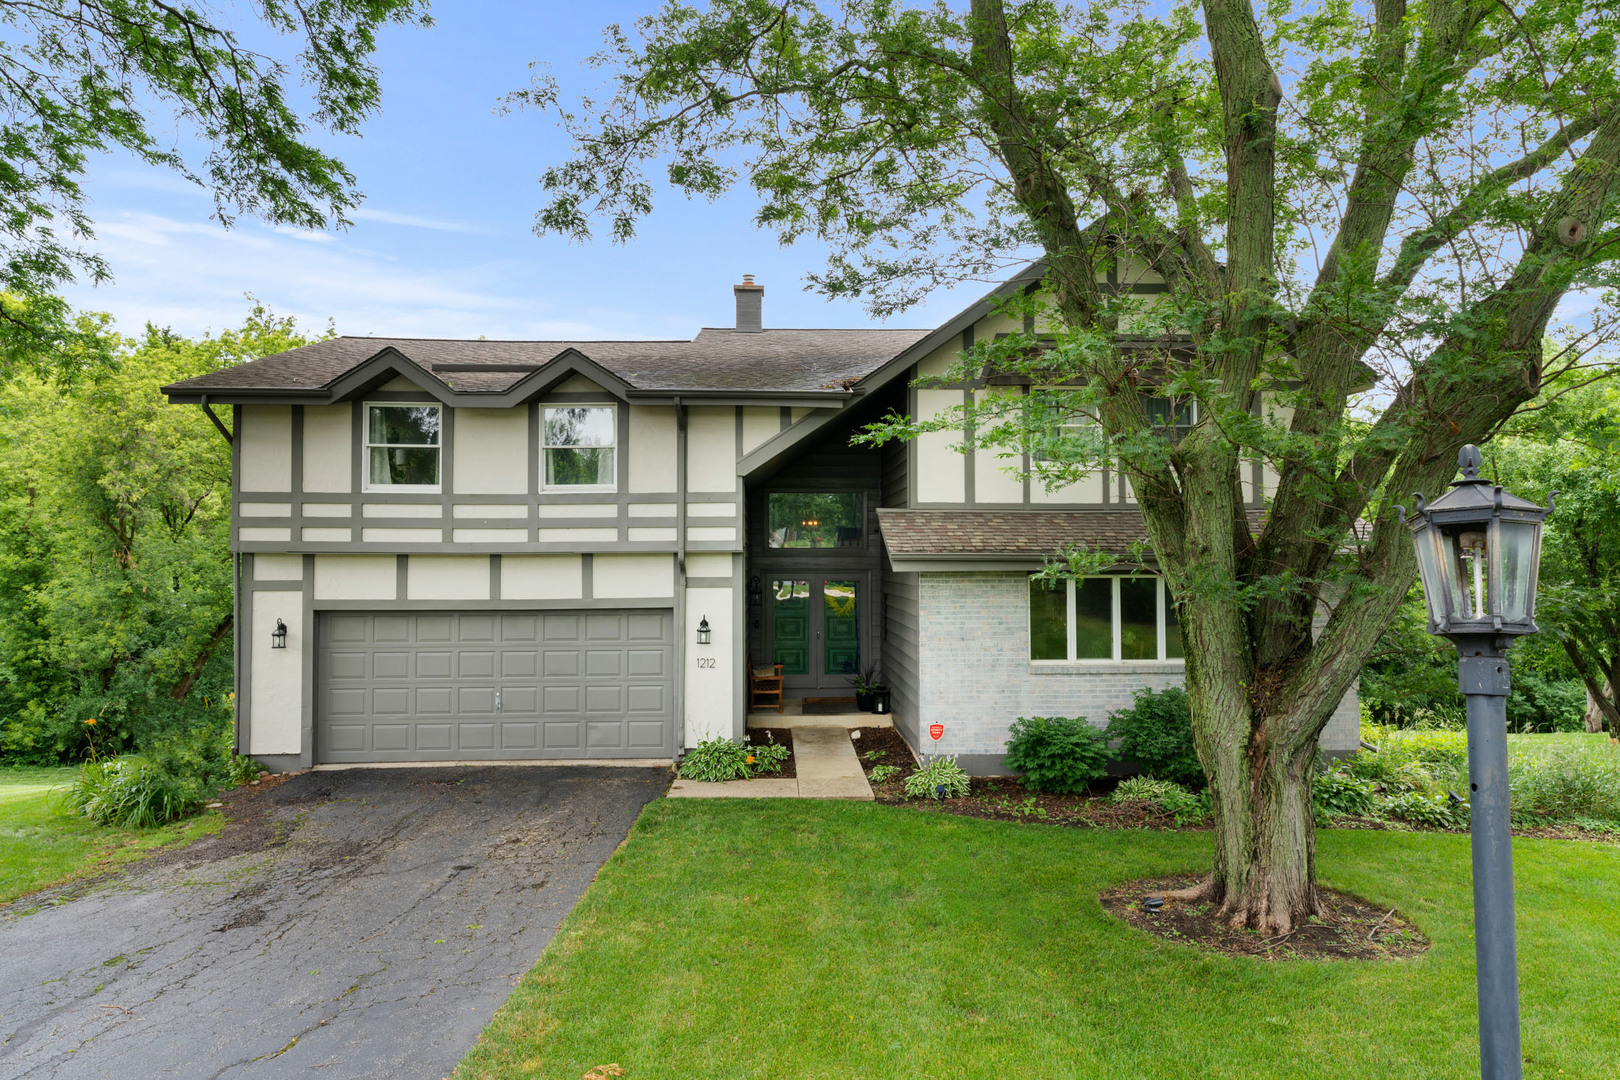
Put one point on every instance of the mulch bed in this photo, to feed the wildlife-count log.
(884, 746)
(759, 736)
(1349, 929)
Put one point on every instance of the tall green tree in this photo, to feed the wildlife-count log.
(115, 565)
(1399, 191)
(150, 78)
(1568, 445)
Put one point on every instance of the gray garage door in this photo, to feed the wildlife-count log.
(432, 686)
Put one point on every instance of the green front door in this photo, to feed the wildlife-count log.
(815, 625)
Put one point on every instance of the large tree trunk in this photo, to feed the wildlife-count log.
(1594, 710)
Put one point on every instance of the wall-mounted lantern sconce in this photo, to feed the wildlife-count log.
(278, 636)
(703, 631)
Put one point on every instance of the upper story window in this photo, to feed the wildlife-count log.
(1182, 413)
(579, 445)
(402, 447)
(1103, 618)
(815, 519)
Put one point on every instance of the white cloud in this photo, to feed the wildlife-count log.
(389, 217)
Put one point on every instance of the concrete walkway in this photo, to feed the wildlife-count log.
(827, 768)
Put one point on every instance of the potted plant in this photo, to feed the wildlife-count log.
(867, 687)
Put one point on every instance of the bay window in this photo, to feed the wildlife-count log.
(1103, 618)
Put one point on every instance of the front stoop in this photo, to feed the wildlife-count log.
(827, 768)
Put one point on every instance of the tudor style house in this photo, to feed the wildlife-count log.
(526, 550)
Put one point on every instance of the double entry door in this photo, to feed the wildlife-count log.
(817, 631)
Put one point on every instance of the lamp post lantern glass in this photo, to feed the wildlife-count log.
(1478, 548)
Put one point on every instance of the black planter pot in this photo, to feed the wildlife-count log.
(863, 700)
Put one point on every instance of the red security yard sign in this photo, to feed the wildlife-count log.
(935, 731)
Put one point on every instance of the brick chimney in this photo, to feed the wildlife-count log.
(750, 314)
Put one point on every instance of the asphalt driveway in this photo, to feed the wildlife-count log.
(364, 923)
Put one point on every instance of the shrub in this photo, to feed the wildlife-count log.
(1538, 703)
(1339, 794)
(174, 779)
(1564, 781)
(1059, 754)
(1437, 811)
(717, 760)
(1165, 795)
(939, 772)
(130, 793)
(1156, 732)
(882, 774)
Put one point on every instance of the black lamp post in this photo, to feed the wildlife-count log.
(1478, 548)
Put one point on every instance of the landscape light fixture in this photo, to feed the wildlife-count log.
(278, 636)
(703, 631)
(1478, 548)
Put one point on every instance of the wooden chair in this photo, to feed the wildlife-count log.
(764, 682)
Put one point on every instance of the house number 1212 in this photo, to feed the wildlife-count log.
(705, 661)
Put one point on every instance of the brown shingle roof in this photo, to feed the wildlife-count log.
(774, 360)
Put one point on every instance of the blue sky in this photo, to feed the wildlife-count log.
(443, 246)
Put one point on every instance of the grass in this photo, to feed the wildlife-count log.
(737, 938)
(42, 845)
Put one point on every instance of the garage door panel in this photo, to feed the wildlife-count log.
(600, 627)
(520, 628)
(391, 665)
(520, 663)
(476, 664)
(604, 735)
(433, 701)
(520, 736)
(422, 686)
(390, 736)
(476, 736)
(391, 628)
(520, 699)
(391, 701)
(562, 735)
(435, 665)
(475, 700)
(433, 737)
(603, 663)
(645, 699)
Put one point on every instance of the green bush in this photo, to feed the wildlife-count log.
(174, 779)
(1336, 793)
(1563, 782)
(882, 774)
(1156, 733)
(939, 772)
(1166, 796)
(717, 760)
(130, 793)
(1059, 754)
(1436, 811)
(1538, 703)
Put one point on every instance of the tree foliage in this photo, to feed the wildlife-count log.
(115, 564)
(152, 79)
(1384, 194)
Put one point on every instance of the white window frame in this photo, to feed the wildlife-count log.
(1161, 599)
(366, 484)
(583, 489)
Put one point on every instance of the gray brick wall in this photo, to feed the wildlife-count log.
(975, 677)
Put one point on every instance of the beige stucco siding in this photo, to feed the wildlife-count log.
(447, 577)
(356, 577)
(652, 448)
(542, 577)
(276, 697)
(491, 453)
(329, 448)
(711, 449)
(632, 577)
(264, 447)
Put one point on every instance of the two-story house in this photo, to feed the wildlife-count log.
(546, 550)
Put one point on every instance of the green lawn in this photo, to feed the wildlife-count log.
(733, 938)
(40, 845)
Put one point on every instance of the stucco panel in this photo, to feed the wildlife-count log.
(652, 448)
(632, 577)
(492, 451)
(541, 577)
(941, 471)
(447, 577)
(356, 577)
(328, 448)
(710, 679)
(264, 447)
(711, 449)
(276, 692)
